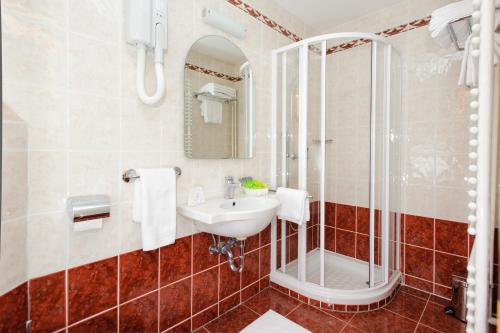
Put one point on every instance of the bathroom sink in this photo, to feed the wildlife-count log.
(239, 217)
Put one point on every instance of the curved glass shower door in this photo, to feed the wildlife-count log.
(336, 111)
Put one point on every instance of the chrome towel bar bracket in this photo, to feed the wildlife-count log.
(131, 175)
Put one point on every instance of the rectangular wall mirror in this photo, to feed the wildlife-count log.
(219, 120)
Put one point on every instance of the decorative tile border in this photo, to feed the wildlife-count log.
(264, 19)
(344, 46)
(348, 308)
(211, 72)
(386, 33)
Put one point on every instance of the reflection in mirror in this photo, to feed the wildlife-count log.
(218, 101)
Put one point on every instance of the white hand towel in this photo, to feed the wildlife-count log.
(155, 207)
(294, 205)
(211, 111)
(468, 70)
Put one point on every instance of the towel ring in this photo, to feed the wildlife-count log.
(131, 175)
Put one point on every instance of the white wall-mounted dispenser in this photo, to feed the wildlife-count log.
(219, 21)
(147, 30)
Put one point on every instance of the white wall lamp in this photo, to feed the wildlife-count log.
(219, 21)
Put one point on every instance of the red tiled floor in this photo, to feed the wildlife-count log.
(352, 329)
(271, 299)
(407, 305)
(425, 329)
(315, 320)
(233, 321)
(435, 318)
(382, 321)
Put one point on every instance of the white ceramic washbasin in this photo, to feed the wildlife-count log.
(240, 217)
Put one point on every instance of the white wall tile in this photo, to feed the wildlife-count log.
(94, 66)
(47, 243)
(94, 123)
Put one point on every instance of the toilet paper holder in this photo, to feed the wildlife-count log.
(88, 207)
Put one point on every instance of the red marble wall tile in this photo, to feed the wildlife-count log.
(251, 243)
(250, 291)
(362, 247)
(251, 269)
(330, 239)
(419, 231)
(345, 217)
(175, 303)
(345, 242)
(442, 291)
(451, 237)
(418, 283)
(330, 214)
(265, 236)
(202, 259)
(265, 260)
(229, 281)
(92, 288)
(205, 289)
(105, 322)
(138, 273)
(204, 317)
(419, 262)
(229, 303)
(48, 302)
(183, 327)
(363, 220)
(175, 261)
(293, 247)
(14, 309)
(448, 265)
(140, 315)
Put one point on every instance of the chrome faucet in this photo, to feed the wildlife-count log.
(229, 186)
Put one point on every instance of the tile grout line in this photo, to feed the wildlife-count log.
(421, 316)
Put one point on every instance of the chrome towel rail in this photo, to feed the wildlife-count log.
(131, 175)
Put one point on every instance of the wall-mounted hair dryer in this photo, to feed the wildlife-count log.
(147, 30)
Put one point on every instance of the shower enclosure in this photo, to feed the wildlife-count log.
(336, 108)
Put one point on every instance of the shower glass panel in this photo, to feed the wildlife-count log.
(314, 161)
(378, 158)
(287, 143)
(337, 107)
(395, 133)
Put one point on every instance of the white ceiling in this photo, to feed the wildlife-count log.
(324, 14)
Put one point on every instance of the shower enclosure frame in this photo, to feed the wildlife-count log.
(299, 284)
